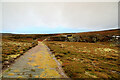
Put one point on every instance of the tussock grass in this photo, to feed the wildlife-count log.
(86, 60)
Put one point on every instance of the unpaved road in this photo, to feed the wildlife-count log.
(36, 63)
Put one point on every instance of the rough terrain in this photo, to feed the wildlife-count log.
(36, 63)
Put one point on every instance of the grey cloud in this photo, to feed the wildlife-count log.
(91, 16)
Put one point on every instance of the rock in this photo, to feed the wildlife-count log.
(8, 66)
(6, 62)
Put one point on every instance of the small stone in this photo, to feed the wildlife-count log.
(6, 62)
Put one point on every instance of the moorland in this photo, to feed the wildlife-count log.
(82, 55)
(88, 54)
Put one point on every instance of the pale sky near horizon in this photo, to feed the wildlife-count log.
(45, 17)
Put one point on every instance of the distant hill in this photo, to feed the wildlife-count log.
(96, 36)
(105, 32)
(112, 31)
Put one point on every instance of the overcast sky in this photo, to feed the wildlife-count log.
(38, 17)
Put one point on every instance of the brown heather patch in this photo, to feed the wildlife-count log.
(87, 60)
(14, 48)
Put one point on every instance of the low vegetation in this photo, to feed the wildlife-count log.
(13, 48)
(91, 37)
(87, 60)
(82, 55)
(15, 45)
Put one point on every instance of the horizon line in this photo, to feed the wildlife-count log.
(60, 32)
